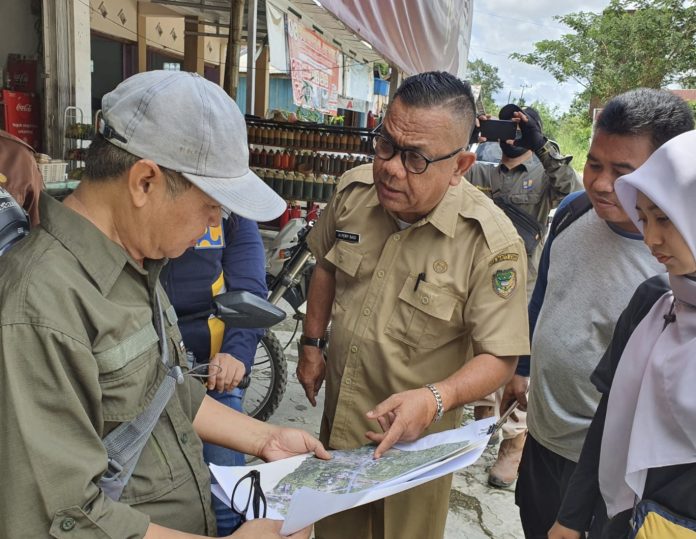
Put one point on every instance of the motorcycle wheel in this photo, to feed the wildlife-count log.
(269, 377)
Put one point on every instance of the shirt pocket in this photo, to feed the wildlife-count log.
(427, 317)
(347, 261)
(129, 374)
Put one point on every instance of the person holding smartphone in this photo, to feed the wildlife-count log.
(533, 176)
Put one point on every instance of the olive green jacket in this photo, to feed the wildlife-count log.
(78, 354)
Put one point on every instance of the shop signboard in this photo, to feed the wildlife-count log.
(314, 68)
(22, 117)
(351, 103)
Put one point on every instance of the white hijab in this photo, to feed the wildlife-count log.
(651, 415)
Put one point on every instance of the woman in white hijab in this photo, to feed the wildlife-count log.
(642, 443)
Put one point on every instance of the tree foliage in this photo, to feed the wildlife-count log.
(483, 74)
(650, 43)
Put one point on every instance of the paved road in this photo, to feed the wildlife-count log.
(476, 510)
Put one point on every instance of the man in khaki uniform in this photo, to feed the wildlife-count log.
(87, 336)
(415, 268)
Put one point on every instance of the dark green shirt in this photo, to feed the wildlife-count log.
(78, 354)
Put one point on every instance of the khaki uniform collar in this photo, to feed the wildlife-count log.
(444, 217)
(102, 259)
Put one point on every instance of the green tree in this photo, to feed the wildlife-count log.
(632, 43)
(483, 74)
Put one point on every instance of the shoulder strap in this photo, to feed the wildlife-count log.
(567, 213)
(125, 443)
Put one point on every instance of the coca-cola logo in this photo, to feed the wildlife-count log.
(26, 107)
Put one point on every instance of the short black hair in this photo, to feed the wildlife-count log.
(439, 89)
(105, 162)
(659, 114)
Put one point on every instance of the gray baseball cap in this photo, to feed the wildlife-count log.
(188, 124)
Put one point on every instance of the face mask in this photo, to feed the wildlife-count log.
(512, 151)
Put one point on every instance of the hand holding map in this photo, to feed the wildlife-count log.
(303, 489)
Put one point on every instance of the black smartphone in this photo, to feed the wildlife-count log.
(495, 130)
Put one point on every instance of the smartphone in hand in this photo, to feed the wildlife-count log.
(496, 130)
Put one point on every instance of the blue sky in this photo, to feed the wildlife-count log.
(501, 27)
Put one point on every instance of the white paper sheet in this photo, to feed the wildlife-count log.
(308, 505)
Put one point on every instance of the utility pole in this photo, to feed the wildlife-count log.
(234, 46)
(523, 86)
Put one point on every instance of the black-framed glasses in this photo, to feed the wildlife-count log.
(255, 498)
(412, 160)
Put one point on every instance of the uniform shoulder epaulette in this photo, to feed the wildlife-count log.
(361, 174)
(497, 228)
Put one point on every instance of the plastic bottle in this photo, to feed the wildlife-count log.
(329, 188)
(288, 187)
(318, 188)
(307, 186)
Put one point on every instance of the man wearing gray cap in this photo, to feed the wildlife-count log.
(89, 342)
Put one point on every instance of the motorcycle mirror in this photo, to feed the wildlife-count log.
(242, 309)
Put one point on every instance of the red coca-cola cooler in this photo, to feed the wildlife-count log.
(22, 116)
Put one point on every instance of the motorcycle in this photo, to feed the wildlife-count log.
(289, 266)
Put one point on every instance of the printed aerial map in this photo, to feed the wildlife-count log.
(355, 470)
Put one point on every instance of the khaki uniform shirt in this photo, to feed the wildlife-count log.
(389, 335)
(535, 186)
(78, 355)
(20, 175)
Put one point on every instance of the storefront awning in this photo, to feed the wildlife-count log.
(416, 35)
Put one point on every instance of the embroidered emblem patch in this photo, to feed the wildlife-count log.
(440, 266)
(512, 257)
(504, 282)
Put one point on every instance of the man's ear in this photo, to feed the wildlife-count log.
(144, 178)
(464, 161)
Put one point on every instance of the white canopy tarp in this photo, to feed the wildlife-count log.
(416, 35)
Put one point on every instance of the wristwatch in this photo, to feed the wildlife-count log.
(310, 341)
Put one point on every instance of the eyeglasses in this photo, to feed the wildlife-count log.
(413, 161)
(255, 497)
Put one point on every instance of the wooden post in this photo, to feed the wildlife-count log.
(234, 46)
(194, 60)
(263, 70)
(142, 42)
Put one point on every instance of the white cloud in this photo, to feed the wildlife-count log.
(501, 27)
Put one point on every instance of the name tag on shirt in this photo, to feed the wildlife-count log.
(350, 237)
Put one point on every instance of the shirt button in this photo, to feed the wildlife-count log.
(67, 524)
(347, 381)
(366, 311)
(340, 258)
(425, 300)
(354, 349)
(184, 438)
(380, 273)
(396, 237)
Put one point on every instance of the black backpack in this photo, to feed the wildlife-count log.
(570, 212)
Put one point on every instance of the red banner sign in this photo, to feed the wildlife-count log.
(22, 117)
(314, 68)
